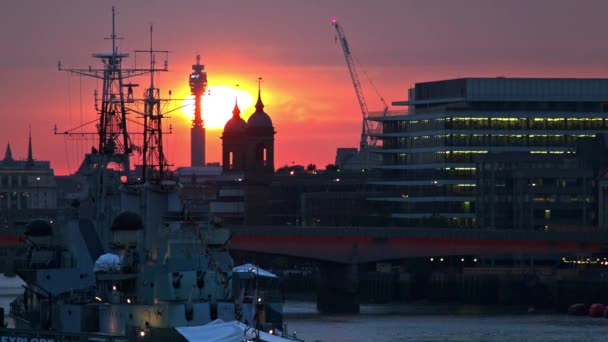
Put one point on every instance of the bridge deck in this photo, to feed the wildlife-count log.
(366, 244)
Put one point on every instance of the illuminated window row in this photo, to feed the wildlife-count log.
(482, 140)
(568, 123)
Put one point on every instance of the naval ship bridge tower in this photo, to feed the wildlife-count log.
(108, 164)
(198, 85)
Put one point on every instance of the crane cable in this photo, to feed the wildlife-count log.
(369, 80)
(362, 69)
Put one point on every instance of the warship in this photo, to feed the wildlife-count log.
(129, 260)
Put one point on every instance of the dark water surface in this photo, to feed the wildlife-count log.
(379, 323)
(426, 323)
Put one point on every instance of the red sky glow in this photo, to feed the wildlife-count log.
(306, 89)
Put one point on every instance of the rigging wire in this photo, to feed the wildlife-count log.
(67, 155)
(80, 145)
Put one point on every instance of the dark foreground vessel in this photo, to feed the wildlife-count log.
(129, 260)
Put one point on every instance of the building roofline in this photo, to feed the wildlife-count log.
(517, 78)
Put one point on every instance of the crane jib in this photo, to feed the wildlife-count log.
(367, 140)
(345, 44)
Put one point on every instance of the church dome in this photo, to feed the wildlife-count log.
(236, 124)
(259, 118)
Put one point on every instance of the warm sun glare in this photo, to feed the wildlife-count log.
(218, 103)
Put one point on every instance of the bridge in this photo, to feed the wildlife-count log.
(369, 244)
(341, 249)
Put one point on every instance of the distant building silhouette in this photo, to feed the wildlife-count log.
(27, 191)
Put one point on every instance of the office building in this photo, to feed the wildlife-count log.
(429, 170)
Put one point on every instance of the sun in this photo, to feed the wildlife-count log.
(217, 105)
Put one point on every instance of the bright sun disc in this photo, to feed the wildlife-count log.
(217, 105)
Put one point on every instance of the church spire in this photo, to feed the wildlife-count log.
(30, 155)
(236, 111)
(8, 155)
(259, 106)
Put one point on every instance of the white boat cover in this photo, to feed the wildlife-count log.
(220, 331)
(251, 268)
(106, 262)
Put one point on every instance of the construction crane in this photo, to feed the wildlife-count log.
(367, 140)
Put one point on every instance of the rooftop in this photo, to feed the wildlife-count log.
(501, 89)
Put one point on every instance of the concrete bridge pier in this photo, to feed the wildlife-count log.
(338, 288)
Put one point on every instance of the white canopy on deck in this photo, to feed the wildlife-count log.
(251, 268)
(220, 331)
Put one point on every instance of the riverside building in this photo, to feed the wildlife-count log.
(429, 170)
(28, 191)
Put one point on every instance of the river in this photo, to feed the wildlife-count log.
(400, 322)
(423, 322)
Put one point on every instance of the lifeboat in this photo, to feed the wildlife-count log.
(578, 309)
(596, 310)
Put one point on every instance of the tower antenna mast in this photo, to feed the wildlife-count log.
(198, 85)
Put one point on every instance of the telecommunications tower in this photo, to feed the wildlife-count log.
(198, 85)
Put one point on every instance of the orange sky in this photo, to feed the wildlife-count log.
(306, 90)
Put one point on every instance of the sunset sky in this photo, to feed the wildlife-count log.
(306, 89)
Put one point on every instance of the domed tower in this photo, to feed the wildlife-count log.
(260, 166)
(234, 143)
(260, 156)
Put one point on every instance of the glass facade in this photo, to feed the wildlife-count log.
(429, 170)
(546, 192)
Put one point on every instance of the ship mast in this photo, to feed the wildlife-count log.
(154, 163)
(114, 144)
